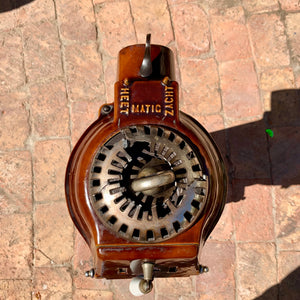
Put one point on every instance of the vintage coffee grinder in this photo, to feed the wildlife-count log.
(145, 184)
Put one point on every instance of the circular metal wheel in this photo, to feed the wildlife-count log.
(148, 183)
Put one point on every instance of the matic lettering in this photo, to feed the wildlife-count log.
(145, 108)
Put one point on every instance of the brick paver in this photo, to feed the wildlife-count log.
(76, 20)
(16, 182)
(58, 66)
(191, 29)
(42, 58)
(11, 68)
(53, 235)
(239, 88)
(219, 282)
(152, 16)
(269, 40)
(16, 246)
(52, 283)
(84, 72)
(229, 33)
(15, 126)
(193, 72)
(49, 108)
(256, 269)
(15, 289)
(49, 161)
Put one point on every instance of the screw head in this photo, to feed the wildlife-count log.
(106, 109)
(203, 269)
(90, 273)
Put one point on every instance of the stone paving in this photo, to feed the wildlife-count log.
(238, 66)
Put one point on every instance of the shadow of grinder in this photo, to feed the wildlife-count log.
(145, 184)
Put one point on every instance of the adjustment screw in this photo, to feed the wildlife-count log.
(203, 269)
(90, 273)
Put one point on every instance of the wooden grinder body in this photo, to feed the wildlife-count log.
(143, 101)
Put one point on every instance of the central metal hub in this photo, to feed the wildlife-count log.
(151, 182)
(147, 183)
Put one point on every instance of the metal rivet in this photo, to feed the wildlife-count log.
(166, 80)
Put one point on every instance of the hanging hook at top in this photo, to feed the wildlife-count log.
(146, 67)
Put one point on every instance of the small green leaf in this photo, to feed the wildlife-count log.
(270, 132)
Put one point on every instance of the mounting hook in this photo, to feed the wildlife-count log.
(146, 67)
